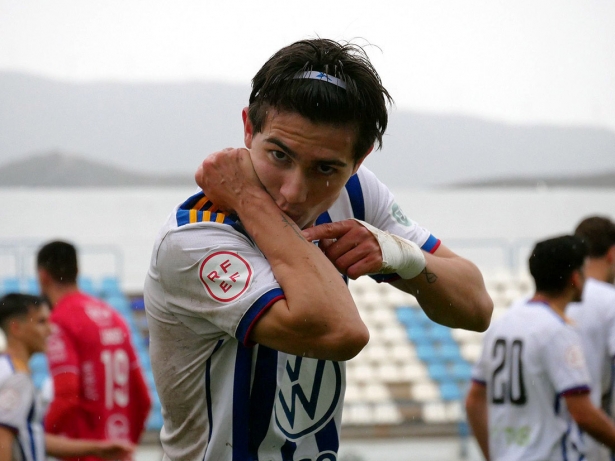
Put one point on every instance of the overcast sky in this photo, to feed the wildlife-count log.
(519, 60)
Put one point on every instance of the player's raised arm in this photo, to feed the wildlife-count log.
(318, 318)
(449, 288)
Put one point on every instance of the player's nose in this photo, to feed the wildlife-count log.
(294, 189)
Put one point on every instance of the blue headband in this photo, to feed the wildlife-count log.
(313, 74)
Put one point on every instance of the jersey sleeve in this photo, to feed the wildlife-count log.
(479, 370)
(211, 272)
(382, 211)
(564, 362)
(64, 368)
(15, 401)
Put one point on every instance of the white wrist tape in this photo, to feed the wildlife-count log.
(399, 255)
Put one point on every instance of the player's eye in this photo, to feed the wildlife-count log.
(279, 155)
(325, 169)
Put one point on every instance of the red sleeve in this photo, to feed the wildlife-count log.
(64, 368)
(140, 402)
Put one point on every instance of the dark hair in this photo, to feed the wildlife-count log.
(15, 305)
(554, 260)
(598, 232)
(59, 259)
(361, 105)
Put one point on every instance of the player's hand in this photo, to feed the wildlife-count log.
(225, 176)
(115, 449)
(351, 247)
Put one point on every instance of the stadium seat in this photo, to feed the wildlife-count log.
(427, 352)
(86, 284)
(387, 413)
(438, 371)
(32, 287)
(450, 391)
(11, 285)
(110, 286)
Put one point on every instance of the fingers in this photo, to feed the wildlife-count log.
(329, 230)
(351, 247)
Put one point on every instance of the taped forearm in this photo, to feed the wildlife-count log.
(399, 255)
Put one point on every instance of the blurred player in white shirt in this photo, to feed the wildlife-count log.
(594, 316)
(530, 389)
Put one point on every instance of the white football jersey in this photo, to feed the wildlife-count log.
(594, 319)
(222, 397)
(531, 358)
(21, 411)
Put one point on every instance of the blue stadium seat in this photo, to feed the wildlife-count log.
(450, 391)
(406, 315)
(11, 285)
(440, 333)
(461, 371)
(418, 334)
(427, 352)
(86, 284)
(120, 304)
(438, 371)
(137, 304)
(449, 352)
(32, 287)
(110, 286)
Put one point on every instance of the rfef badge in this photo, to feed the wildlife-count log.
(225, 275)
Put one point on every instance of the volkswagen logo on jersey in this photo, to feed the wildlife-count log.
(310, 391)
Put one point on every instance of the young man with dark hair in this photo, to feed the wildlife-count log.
(25, 322)
(594, 316)
(99, 388)
(250, 322)
(530, 388)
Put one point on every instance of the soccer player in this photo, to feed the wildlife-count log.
(99, 388)
(250, 322)
(530, 389)
(594, 316)
(25, 321)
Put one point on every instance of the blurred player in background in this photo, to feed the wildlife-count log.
(530, 387)
(594, 316)
(99, 388)
(231, 268)
(25, 321)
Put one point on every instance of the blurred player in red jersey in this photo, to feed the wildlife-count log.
(99, 388)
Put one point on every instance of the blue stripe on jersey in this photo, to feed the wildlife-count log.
(208, 387)
(30, 433)
(355, 194)
(241, 403)
(564, 440)
(323, 218)
(327, 438)
(262, 396)
(431, 244)
(255, 310)
(288, 450)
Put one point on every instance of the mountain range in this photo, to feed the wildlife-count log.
(150, 133)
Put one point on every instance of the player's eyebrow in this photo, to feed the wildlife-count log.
(291, 153)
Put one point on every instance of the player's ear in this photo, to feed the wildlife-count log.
(360, 161)
(248, 128)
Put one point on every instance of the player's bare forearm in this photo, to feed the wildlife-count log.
(6, 443)
(451, 291)
(476, 409)
(321, 316)
(63, 447)
(591, 419)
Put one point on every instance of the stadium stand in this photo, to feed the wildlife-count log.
(412, 372)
